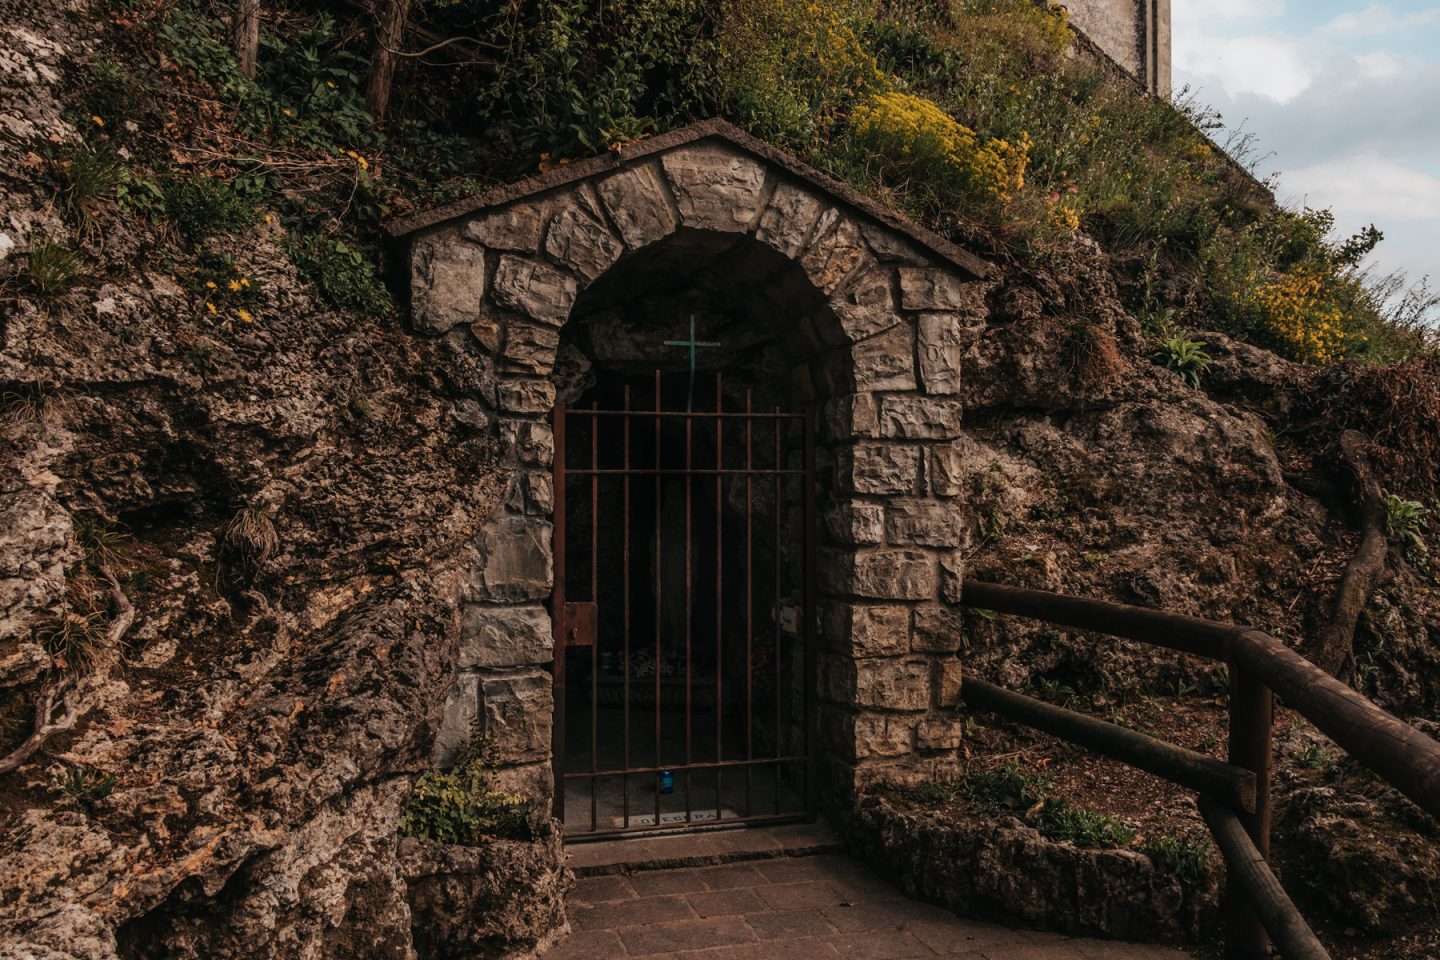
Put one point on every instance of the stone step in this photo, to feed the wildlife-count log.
(700, 849)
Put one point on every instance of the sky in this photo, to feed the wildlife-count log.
(1343, 98)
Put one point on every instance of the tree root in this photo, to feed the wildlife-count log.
(1334, 647)
(68, 696)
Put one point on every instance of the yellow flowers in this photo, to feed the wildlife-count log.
(96, 120)
(1297, 310)
(360, 161)
(287, 111)
(922, 142)
(245, 315)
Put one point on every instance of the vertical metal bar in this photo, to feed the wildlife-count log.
(659, 577)
(557, 617)
(689, 602)
(719, 589)
(1251, 722)
(749, 603)
(625, 614)
(594, 598)
(779, 679)
(807, 616)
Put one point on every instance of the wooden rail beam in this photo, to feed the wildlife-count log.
(1250, 870)
(1230, 784)
(1203, 638)
(1404, 757)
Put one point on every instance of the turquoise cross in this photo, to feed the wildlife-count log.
(692, 343)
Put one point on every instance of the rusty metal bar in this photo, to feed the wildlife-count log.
(719, 591)
(807, 615)
(594, 598)
(698, 765)
(699, 472)
(749, 604)
(779, 589)
(557, 619)
(625, 614)
(689, 607)
(703, 415)
(659, 617)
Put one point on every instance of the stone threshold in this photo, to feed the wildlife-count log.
(703, 848)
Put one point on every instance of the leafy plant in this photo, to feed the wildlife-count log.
(1185, 356)
(1313, 757)
(461, 806)
(1060, 820)
(1407, 521)
(1012, 787)
(200, 206)
(88, 786)
(1187, 859)
(100, 542)
(343, 273)
(86, 178)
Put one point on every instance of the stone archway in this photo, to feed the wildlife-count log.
(895, 309)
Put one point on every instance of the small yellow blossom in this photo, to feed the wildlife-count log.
(97, 121)
(330, 84)
(287, 111)
(210, 306)
(244, 315)
(245, 282)
(269, 218)
(233, 286)
(210, 285)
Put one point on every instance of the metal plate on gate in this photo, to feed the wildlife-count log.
(582, 624)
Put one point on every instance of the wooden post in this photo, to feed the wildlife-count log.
(245, 35)
(1251, 717)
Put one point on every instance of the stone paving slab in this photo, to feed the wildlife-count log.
(818, 907)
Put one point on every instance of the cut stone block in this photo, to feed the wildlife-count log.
(715, 187)
(514, 562)
(447, 283)
(637, 204)
(504, 636)
(535, 289)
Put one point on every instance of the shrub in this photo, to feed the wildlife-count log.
(460, 806)
(86, 179)
(1011, 786)
(72, 639)
(1187, 859)
(201, 206)
(1299, 312)
(920, 146)
(343, 273)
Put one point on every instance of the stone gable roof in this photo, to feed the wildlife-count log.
(715, 129)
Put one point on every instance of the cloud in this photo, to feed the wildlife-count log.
(1270, 66)
(1366, 185)
(1377, 19)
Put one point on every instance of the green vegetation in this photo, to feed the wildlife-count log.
(1406, 520)
(460, 806)
(970, 115)
(1185, 356)
(72, 639)
(1187, 859)
(88, 786)
(51, 268)
(1060, 820)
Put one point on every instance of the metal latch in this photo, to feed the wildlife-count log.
(582, 624)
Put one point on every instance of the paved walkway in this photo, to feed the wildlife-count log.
(793, 908)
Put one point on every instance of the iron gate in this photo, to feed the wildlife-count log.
(684, 612)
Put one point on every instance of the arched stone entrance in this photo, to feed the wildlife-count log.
(851, 311)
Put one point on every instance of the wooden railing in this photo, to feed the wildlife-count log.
(1234, 795)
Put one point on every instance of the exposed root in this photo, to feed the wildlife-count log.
(65, 696)
(1335, 645)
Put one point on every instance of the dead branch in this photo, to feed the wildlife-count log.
(66, 696)
(1335, 646)
(46, 726)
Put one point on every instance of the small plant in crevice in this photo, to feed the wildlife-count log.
(100, 541)
(51, 268)
(72, 639)
(1009, 787)
(461, 805)
(1187, 859)
(247, 542)
(39, 402)
(199, 206)
(86, 179)
(229, 297)
(1185, 356)
(1313, 756)
(87, 786)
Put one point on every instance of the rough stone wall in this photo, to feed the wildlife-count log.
(884, 356)
(1134, 33)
